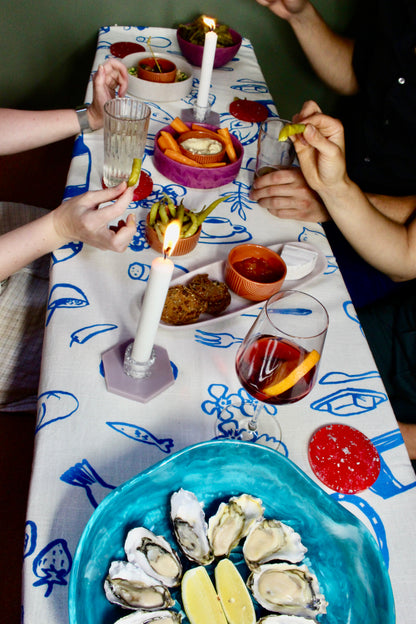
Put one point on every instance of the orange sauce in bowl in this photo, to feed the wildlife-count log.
(258, 270)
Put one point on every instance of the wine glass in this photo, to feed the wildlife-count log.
(277, 362)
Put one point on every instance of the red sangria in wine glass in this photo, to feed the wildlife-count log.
(278, 360)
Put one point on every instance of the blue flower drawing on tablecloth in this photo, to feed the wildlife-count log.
(225, 405)
(52, 565)
(84, 476)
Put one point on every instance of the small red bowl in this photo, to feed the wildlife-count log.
(147, 70)
(255, 256)
(193, 52)
(197, 177)
(182, 247)
(201, 158)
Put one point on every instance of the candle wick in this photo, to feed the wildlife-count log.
(165, 253)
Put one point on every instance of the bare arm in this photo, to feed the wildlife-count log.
(23, 130)
(78, 219)
(329, 53)
(387, 245)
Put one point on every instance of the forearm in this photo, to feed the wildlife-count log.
(329, 54)
(398, 209)
(24, 130)
(387, 245)
(26, 243)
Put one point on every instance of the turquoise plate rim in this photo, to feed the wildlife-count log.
(358, 591)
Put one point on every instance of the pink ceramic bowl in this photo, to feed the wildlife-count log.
(197, 177)
(193, 53)
(254, 272)
(182, 247)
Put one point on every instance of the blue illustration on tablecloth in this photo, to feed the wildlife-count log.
(239, 200)
(351, 312)
(245, 131)
(338, 377)
(31, 536)
(387, 485)
(138, 271)
(248, 85)
(66, 252)
(139, 434)
(221, 340)
(350, 401)
(225, 405)
(221, 231)
(52, 565)
(83, 475)
(65, 296)
(81, 162)
(86, 333)
(373, 518)
(55, 405)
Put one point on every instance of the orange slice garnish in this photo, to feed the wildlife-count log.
(296, 375)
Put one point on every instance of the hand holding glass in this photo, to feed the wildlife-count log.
(126, 122)
(273, 154)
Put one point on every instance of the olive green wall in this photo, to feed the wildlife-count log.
(47, 46)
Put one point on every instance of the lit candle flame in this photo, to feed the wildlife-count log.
(171, 237)
(208, 21)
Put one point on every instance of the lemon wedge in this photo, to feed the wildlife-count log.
(235, 598)
(296, 375)
(290, 130)
(199, 598)
(135, 172)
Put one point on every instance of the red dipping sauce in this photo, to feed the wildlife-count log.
(258, 270)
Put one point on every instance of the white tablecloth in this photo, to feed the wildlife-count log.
(89, 440)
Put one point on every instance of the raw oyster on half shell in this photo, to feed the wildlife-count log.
(271, 540)
(156, 617)
(130, 587)
(231, 523)
(288, 589)
(190, 526)
(154, 555)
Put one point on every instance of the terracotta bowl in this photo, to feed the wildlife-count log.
(168, 73)
(257, 257)
(182, 247)
(203, 159)
(197, 177)
(193, 53)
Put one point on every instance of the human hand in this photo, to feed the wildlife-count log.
(321, 152)
(285, 8)
(286, 194)
(81, 219)
(108, 78)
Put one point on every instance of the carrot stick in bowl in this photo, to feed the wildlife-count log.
(229, 147)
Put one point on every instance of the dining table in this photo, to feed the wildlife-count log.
(90, 439)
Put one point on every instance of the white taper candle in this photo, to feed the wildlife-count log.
(210, 45)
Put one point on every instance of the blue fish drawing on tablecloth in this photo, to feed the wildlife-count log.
(65, 296)
(83, 475)
(139, 434)
(52, 565)
(55, 405)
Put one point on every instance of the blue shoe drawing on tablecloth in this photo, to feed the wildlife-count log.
(83, 475)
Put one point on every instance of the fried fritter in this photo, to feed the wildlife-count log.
(182, 306)
(215, 294)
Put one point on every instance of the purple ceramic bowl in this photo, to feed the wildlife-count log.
(193, 53)
(197, 177)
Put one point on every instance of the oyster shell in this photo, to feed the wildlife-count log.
(232, 522)
(288, 589)
(130, 587)
(271, 540)
(154, 555)
(252, 508)
(225, 528)
(190, 526)
(155, 617)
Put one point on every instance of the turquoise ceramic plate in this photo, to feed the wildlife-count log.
(341, 550)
